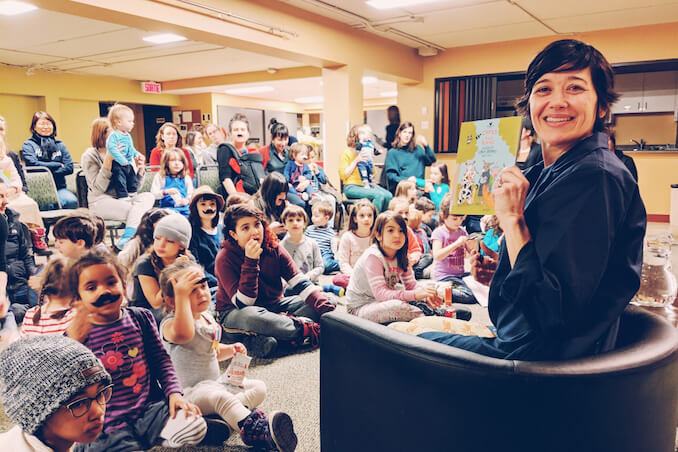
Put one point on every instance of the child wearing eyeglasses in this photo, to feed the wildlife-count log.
(55, 401)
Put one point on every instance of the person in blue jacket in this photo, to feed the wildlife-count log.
(408, 158)
(573, 224)
(43, 149)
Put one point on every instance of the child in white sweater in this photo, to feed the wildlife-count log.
(356, 240)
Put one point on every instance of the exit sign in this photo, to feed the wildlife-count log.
(150, 87)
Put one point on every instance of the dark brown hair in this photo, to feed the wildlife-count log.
(380, 223)
(158, 136)
(292, 211)
(42, 114)
(397, 143)
(194, 215)
(53, 283)
(80, 225)
(572, 55)
(237, 198)
(171, 272)
(93, 257)
(164, 162)
(424, 205)
(100, 128)
(352, 222)
(190, 137)
(238, 211)
(442, 167)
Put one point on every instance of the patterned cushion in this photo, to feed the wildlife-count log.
(209, 175)
(42, 189)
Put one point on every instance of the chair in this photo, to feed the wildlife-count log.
(209, 175)
(346, 201)
(149, 175)
(43, 190)
(383, 390)
(113, 226)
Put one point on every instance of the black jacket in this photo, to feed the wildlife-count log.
(18, 252)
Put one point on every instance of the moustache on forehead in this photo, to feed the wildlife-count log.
(105, 299)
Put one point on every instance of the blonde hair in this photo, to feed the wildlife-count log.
(296, 148)
(170, 273)
(403, 188)
(165, 159)
(352, 137)
(414, 217)
(116, 112)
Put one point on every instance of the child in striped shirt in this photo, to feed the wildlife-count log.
(54, 311)
(147, 407)
(324, 235)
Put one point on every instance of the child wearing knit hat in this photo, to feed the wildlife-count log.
(147, 407)
(171, 238)
(56, 400)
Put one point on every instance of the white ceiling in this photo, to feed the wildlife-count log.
(454, 23)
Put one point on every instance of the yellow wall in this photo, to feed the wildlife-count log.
(73, 101)
(656, 173)
(644, 43)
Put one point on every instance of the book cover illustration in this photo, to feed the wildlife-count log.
(485, 148)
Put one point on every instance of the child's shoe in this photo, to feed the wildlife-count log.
(259, 346)
(274, 434)
(309, 331)
(218, 431)
(38, 236)
(336, 290)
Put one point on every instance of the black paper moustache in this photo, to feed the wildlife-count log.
(105, 299)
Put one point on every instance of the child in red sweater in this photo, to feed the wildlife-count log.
(250, 299)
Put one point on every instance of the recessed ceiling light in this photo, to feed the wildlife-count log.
(368, 80)
(388, 94)
(164, 38)
(250, 90)
(390, 4)
(11, 8)
(309, 100)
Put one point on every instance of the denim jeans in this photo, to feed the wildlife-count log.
(331, 264)
(67, 198)
(268, 321)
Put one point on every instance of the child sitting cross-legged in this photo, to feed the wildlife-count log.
(54, 311)
(250, 268)
(382, 286)
(303, 250)
(191, 336)
(147, 407)
(324, 235)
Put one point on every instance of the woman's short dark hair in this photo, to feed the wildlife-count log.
(573, 55)
(278, 129)
(43, 114)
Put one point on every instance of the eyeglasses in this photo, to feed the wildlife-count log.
(80, 407)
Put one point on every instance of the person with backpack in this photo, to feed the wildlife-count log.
(240, 170)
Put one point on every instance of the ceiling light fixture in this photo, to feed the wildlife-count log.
(272, 70)
(164, 38)
(391, 4)
(249, 90)
(11, 8)
(388, 94)
(368, 80)
(310, 100)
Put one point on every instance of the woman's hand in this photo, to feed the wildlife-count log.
(184, 287)
(141, 164)
(509, 192)
(108, 161)
(277, 228)
(176, 402)
(253, 249)
(483, 270)
(425, 293)
(421, 141)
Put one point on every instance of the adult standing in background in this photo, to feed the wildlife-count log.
(96, 165)
(216, 135)
(408, 158)
(43, 149)
(350, 175)
(168, 137)
(393, 123)
(195, 147)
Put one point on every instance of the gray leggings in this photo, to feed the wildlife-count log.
(268, 321)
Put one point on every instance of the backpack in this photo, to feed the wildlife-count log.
(250, 166)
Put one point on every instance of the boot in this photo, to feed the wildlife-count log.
(127, 234)
(39, 243)
(264, 433)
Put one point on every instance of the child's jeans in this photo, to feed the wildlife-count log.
(123, 180)
(330, 263)
(366, 170)
(460, 291)
(150, 430)
(231, 404)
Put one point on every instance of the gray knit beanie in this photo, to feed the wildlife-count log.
(174, 227)
(40, 374)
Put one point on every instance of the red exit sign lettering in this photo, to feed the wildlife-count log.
(150, 87)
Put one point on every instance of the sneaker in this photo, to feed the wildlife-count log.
(276, 434)
(218, 431)
(40, 247)
(259, 346)
(310, 332)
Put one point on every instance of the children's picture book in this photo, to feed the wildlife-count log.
(485, 148)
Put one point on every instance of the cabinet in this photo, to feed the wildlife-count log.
(646, 92)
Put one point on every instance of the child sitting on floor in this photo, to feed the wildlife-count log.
(172, 185)
(303, 250)
(428, 210)
(324, 235)
(374, 291)
(143, 237)
(191, 336)
(54, 311)
(147, 407)
(355, 240)
(79, 232)
(414, 224)
(448, 249)
(406, 189)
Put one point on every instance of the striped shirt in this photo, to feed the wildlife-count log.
(323, 236)
(46, 324)
(120, 346)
